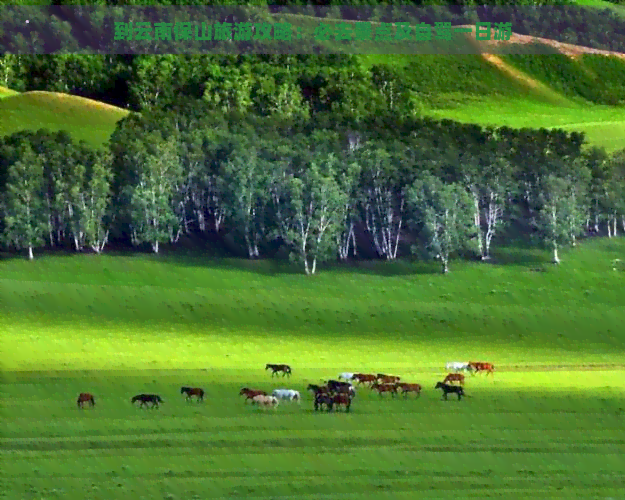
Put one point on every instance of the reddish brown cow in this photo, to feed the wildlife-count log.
(406, 388)
(482, 367)
(251, 393)
(387, 379)
(392, 388)
(454, 377)
(364, 378)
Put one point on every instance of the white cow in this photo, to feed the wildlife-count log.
(346, 376)
(288, 394)
(458, 366)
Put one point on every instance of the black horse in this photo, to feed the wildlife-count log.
(330, 400)
(341, 387)
(446, 388)
(275, 369)
(155, 399)
(193, 391)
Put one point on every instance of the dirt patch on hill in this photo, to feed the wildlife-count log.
(565, 48)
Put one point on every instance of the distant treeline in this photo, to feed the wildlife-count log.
(304, 84)
(313, 190)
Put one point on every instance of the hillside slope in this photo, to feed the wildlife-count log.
(577, 89)
(4, 92)
(84, 119)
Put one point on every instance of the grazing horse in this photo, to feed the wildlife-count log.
(482, 367)
(346, 376)
(446, 388)
(458, 366)
(155, 399)
(288, 394)
(387, 379)
(323, 398)
(331, 400)
(193, 391)
(342, 399)
(392, 388)
(251, 393)
(285, 369)
(85, 397)
(265, 401)
(318, 389)
(454, 377)
(364, 378)
(341, 387)
(336, 386)
(406, 388)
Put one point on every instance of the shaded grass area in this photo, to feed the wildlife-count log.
(83, 119)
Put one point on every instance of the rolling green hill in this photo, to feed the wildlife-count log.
(4, 92)
(584, 93)
(84, 119)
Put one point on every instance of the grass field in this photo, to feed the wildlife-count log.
(84, 119)
(4, 92)
(548, 424)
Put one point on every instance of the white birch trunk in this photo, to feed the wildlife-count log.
(477, 221)
(556, 259)
(30, 253)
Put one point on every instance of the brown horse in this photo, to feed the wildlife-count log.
(364, 378)
(406, 388)
(482, 367)
(342, 399)
(251, 393)
(387, 379)
(275, 369)
(193, 391)
(392, 388)
(454, 377)
(85, 397)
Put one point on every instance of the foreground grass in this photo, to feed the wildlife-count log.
(120, 325)
(515, 436)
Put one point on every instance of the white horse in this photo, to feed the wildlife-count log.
(266, 401)
(346, 376)
(288, 394)
(458, 366)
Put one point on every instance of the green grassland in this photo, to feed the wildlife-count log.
(84, 119)
(4, 92)
(548, 423)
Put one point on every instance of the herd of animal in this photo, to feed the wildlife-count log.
(339, 393)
